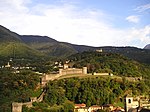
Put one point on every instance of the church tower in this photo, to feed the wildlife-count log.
(130, 103)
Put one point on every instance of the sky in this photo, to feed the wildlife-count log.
(83, 22)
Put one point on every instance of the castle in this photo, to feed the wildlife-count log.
(65, 71)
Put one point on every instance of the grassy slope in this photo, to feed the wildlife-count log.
(53, 49)
(17, 49)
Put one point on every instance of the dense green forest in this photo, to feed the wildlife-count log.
(109, 62)
(16, 87)
(19, 87)
(91, 91)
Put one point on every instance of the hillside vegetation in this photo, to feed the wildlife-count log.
(18, 50)
(91, 91)
(62, 94)
(16, 87)
(111, 63)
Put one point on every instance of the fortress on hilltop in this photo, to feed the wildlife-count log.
(65, 71)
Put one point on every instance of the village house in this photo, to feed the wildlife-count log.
(80, 108)
(80, 105)
(94, 108)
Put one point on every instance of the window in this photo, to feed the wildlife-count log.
(129, 101)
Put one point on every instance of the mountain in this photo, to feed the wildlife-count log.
(50, 47)
(54, 48)
(11, 45)
(147, 46)
(47, 45)
(18, 50)
(140, 55)
(6, 35)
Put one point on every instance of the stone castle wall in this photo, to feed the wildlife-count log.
(134, 79)
(70, 71)
(101, 74)
(17, 107)
(66, 71)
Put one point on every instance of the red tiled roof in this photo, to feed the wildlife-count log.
(80, 105)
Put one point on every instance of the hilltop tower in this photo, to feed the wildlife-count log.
(84, 70)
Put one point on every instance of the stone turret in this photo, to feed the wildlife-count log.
(84, 70)
(65, 66)
(16, 107)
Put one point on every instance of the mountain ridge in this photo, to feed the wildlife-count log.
(51, 47)
(7, 35)
(147, 46)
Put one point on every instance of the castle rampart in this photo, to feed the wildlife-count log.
(64, 71)
(17, 107)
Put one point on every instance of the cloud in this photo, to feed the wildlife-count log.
(141, 35)
(14, 6)
(142, 8)
(69, 23)
(133, 19)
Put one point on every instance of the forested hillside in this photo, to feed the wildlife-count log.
(109, 62)
(16, 87)
(91, 91)
(96, 90)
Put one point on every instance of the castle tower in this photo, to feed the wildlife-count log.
(8, 65)
(16, 107)
(84, 70)
(60, 71)
(65, 66)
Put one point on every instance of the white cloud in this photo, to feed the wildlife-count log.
(15, 6)
(133, 19)
(68, 23)
(142, 8)
(141, 35)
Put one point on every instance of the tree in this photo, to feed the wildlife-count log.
(68, 106)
